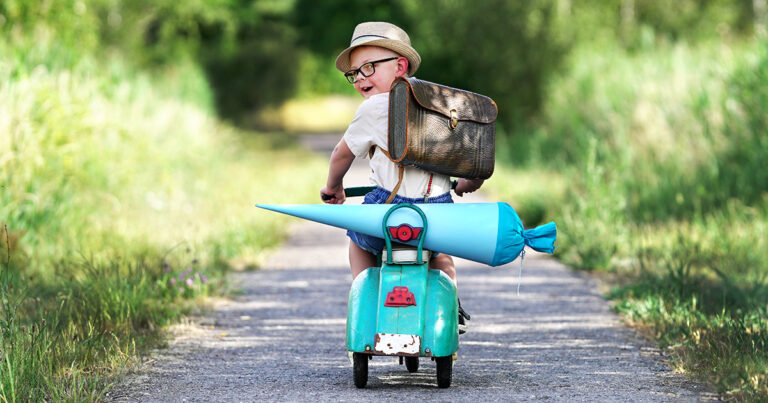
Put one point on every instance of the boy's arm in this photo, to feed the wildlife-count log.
(468, 186)
(341, 159)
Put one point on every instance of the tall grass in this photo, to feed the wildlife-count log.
(123, 200)
(663, 153)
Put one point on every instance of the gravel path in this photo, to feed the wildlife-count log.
(282, 339)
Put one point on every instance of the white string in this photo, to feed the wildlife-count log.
(520, 273)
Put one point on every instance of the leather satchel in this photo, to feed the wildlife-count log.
(441, 129)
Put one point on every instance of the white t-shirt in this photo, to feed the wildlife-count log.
(369, 128)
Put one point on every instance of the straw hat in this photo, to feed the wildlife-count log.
(382, 34)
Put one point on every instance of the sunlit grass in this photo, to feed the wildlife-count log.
(123, 201)
(658, 156)
(534, 193)
(312, 115)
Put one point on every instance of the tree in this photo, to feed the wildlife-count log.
(504, 49)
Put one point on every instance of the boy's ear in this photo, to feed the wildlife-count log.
(402, 66)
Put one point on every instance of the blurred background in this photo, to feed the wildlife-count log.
(136, 135)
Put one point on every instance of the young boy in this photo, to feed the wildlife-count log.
(379, 52)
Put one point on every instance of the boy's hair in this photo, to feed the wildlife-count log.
(384, 35)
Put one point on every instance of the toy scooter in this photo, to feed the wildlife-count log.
(403, 308)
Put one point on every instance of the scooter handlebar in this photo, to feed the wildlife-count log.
(364, 190)
(351, 192)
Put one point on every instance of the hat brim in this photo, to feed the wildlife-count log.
(414, 60)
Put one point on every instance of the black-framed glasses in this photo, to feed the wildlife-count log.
(367, 69)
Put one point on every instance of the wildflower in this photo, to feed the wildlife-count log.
(189, 282)
(181, 289)
(173, 280)
(203, 279)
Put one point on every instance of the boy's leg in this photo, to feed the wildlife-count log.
(445, 264)
(359, 259)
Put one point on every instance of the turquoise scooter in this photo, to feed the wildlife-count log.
(403, 308)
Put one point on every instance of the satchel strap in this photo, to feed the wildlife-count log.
(373, 150)
(400, 170)
(392, 195)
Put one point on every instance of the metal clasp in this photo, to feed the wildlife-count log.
(454, 119)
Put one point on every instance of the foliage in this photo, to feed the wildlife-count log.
(247, 49)
(506, 50)
(706, 303)
(474, 51)
(257, 54)
(326, 27)
(261, 72)
(122, 202)
(661, 151)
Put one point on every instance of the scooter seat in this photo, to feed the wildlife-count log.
(406, 254)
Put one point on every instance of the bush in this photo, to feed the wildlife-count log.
(506, 50)
(121, 204)
(663, 153)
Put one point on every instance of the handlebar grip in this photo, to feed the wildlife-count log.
(358, 191)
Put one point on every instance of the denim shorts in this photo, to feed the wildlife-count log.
(379, 196)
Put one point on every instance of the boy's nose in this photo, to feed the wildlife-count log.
(359, 74)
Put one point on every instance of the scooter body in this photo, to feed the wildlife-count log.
(403, 308)
(422, 321)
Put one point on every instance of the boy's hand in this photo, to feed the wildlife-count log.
(333, 196)
(468, 186)
(341, 160)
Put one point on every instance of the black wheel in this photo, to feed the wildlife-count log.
(360, 367)
(444, 371)
(412, 363)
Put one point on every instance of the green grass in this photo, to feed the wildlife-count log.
(653, 166)
(123, 202)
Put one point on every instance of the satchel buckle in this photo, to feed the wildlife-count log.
(454, 119)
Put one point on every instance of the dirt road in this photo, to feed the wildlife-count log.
(282, 339)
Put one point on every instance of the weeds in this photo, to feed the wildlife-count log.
(663, 155)
(122, 207)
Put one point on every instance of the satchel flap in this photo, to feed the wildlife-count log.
(443, 99)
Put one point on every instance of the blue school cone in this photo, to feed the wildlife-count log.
(489, 233)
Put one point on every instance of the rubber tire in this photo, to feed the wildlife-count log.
(412, 363)
(444, 371)
(360, 368)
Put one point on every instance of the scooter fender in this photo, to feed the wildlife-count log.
(362, 310)
(439, 330)
(441, 335)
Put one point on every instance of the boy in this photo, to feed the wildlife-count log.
(379, 52)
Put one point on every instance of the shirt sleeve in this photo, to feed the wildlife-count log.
(366, 127)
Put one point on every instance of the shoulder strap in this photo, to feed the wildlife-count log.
(400, 170)
(373, 150)
(392, 195)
